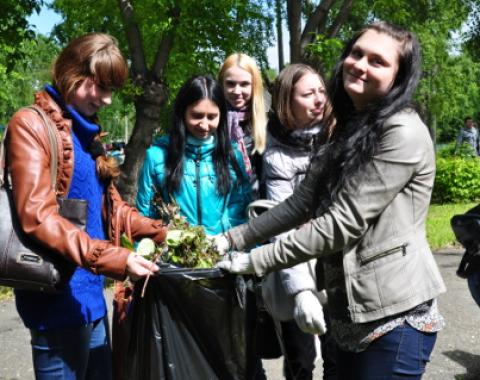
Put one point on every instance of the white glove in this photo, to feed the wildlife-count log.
(308, 313)
(221, 243)
(237, 262)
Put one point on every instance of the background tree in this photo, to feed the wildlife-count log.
(14, 28)
(166, 42)
(322, 21)
(26, 75)
(449, 88)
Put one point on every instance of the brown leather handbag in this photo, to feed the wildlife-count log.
(25, 263)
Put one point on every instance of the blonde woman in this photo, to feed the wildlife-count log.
(242, 84)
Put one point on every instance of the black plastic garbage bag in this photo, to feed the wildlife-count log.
(189, 325)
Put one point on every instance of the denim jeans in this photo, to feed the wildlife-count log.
(73, 353)
(474, 286)
(400, 354)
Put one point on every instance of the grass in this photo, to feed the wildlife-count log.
(439, 232)
(5, 293)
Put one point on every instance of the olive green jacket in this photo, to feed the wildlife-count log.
(378, 222)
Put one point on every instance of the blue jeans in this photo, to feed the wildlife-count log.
(400, 354)
(474, 286)
(73, 353)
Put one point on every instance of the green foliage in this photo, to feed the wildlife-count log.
(328, 49)
(439, 232)
(118, 118)
(26, 77)
(5, 293)
(207, 30)
(457, 180)
(187, 246)
(14, 28)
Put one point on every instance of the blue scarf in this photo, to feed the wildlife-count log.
(83, 127)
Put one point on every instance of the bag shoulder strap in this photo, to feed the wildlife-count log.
(52, 138)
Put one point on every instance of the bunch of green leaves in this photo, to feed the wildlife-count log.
(187, 246)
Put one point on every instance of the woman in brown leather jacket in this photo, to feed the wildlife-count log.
(69, 330)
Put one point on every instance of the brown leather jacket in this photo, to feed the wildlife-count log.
(28, 158)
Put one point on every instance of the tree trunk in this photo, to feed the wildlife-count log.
(148, 108)
(294, 11)
(149, 105)
(278, 11)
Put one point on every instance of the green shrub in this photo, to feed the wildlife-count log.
(457, 180)
(448, 151)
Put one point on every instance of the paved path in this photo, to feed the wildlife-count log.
(456, 355)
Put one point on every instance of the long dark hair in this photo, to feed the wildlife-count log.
(357, 133)
(193, 90)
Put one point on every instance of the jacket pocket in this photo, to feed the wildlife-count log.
(366, 259)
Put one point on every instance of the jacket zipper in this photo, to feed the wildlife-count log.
(197, 177)
(402, 248)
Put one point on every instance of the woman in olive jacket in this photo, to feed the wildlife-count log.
(364, 203)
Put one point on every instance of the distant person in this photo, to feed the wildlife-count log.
(468, 135)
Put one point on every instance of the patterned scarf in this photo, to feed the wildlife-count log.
(235, 117)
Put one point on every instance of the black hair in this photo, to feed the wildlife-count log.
(357, 133)
(193, 90)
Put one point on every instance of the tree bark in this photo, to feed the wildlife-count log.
(148, 106)
(341, 18)
(316, 23)
(278, 12)
(134, 39)
(294, 13)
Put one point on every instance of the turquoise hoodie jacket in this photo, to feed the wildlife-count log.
(202, 204)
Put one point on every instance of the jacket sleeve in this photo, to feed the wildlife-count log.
(294, 211)
(146, 185)
(125, 218)
(400, 153)
(28, 157)
(240, 196)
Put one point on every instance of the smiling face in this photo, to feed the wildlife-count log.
(202, 118)
(308, 100)
(90, 97)
(370, 69)
(237, 87)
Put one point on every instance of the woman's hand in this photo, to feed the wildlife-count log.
(221, 243)
(237, 262)
(308, 313)
(138, 267)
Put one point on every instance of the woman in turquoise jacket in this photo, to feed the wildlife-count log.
(195, 165)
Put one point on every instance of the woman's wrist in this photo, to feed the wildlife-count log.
(228, 238)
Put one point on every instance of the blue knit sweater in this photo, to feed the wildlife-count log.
(82, 301)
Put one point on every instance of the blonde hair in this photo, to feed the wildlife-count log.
(259, 116)
(98, 57)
